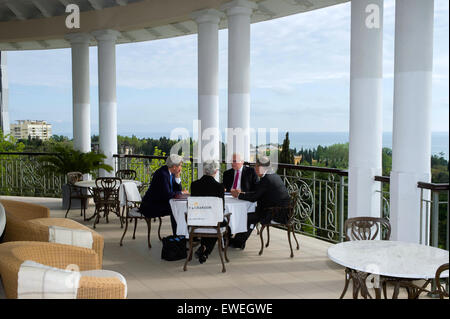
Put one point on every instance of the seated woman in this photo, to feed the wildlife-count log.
(207, 186)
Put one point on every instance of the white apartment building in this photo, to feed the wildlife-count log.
(35, 129)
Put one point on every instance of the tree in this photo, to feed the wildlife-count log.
(286, 154)
(9, 144)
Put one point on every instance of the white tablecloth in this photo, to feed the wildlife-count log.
(238, 209)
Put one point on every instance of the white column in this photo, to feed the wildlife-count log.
(81, 109)
(366, 72)
(4, 114)
(238, 13)
(411, 144)
(208, 85)
(107, 94)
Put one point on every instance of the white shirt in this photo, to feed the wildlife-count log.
(238, 186)
(177, 179)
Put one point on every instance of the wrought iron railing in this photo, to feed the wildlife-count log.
(434, 210)
(320, 211)
(21, 174)
(385, 196)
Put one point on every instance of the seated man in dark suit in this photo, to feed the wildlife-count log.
(165, 185)
(269, 192)
(239, 176)
(207, 186)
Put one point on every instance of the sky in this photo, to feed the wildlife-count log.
(300, 68)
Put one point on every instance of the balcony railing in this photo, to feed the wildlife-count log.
(320, 211)
(434, 212)
(21, 174)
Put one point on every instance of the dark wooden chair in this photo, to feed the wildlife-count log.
(77, 192)
(132, 175)
(289, 225)
(441, 290)
(364, 228)
(106, 198)
(210, 231)
(132, 203)
(126, 174)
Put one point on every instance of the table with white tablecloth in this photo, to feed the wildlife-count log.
(238, 209)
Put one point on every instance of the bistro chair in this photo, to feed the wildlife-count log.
(132, 175)
(364, 228)
(106, 198)
(77, 192)
(131, 206)
(205, 222)
(443, 292)
(126, 174)
(289, 224)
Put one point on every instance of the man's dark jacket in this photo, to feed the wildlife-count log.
(269, 192)
(248, 179)
(207, 186)
(156, 200)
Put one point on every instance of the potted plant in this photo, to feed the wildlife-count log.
(68, 160)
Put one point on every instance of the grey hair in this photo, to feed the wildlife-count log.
(264, 163)
(174, 160)
(210, 167)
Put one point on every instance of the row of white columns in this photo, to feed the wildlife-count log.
(106, 90)
(412, 99)
(238, 13)
(411, 144)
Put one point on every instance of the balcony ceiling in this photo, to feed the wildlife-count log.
(40, 24)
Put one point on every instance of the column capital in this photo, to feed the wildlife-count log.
(207, 16)
(78, 38)
(239, 7)
(106, 35)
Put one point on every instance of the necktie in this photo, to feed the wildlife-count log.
(236, 178)
(171, 185)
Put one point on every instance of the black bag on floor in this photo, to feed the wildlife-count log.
(173, 248)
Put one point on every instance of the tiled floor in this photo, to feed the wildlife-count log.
(310, 274)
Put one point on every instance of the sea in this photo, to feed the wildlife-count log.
(310, 140)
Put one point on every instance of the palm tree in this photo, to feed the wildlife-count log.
(68, 160)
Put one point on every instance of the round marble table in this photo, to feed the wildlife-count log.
(393, 259)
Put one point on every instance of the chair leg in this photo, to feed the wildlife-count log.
(159, 228)
(385, 289)
(125, 231)
(189, 255)
(85, 201)
(220, 252)
(289, 240)
(293, 234)
(135, 226)
(226, 239)
(70, 205)
(149, 228)
(262, 239)
(268, 236)
(347, 281)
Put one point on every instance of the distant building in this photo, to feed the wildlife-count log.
(35, 129)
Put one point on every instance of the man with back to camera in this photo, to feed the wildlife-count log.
(208, 186)
(269, 192)
(165, 185)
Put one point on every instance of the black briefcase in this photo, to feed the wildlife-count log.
(174, 248)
